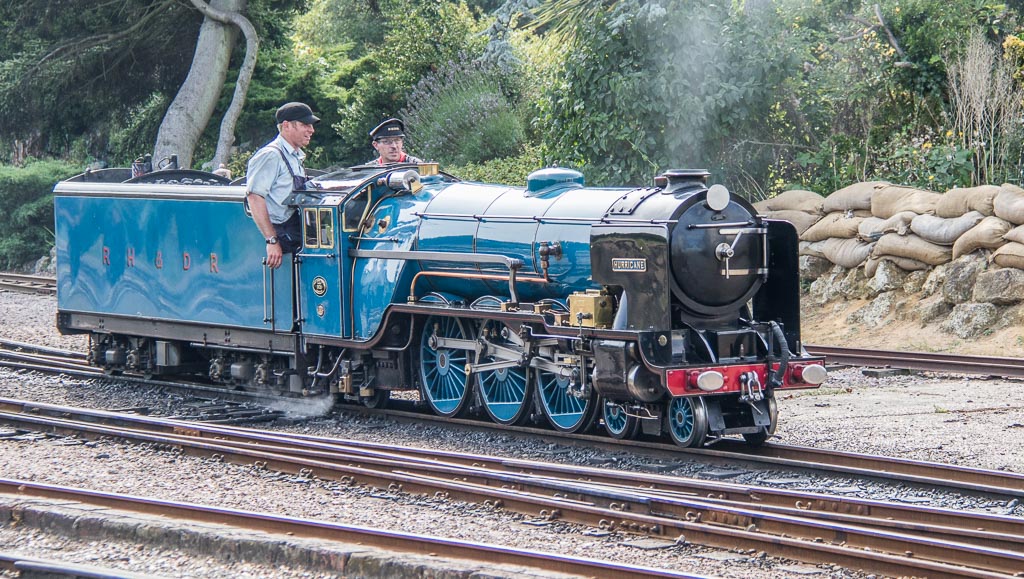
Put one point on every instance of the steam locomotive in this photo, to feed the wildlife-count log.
(665, 310)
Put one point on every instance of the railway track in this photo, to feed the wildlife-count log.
(928, 361)
(889, 538)
(22, 566)
(247, 408)
(36, 284)
(332, 531)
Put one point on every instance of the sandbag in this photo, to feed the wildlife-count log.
(870, 228)
(836, 224)
(913, 247)
(856, 196)
(797, 200)
(761, 207)
(1016, 234)
(986, 234)
(1009, 255)
(874, 227)
(957, 202)
(893, 199)
(904, 263)
(1009, 204)
(944, 231)
(812, 249)
(848, 253)
(800, 220)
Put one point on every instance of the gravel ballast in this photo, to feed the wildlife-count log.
(960, 420)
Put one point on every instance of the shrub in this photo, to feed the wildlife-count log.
(26, 210)
(505, 171)
(459, 115)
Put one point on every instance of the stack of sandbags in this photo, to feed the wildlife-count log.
(938, 226)
(800, 207)
(835, 238)
(893, 209)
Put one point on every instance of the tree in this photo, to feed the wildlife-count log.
(192, 108)
(73, 71)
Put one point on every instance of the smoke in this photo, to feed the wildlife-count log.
(715, 72)
(307, 407)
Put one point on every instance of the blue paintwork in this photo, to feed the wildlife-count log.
(320, 271)
(471, 218)
(380, 282)
(167, 258)
(444, 216)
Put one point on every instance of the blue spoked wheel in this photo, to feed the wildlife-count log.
(686, 420)
(505, 391)
(563, 411)
(617, 422)
(443, 370)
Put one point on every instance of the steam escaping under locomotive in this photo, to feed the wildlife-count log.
(665, 310)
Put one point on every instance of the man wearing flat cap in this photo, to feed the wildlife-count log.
(273, 173)
(388, 138)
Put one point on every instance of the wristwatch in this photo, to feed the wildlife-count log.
(272, 240)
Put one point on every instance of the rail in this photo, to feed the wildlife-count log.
(889, 538)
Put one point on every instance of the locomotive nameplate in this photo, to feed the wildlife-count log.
(629, 264)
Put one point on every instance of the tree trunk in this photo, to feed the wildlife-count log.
(190, 112)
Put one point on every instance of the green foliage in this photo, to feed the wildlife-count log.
(461, 115)
(418, 35)
(872, 100)
(926, 162)
(766, 95)
(506, 171)
(26, 210)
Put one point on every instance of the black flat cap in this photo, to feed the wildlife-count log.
(389, 128)
(297, 112)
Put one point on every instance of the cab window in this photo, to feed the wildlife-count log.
(310, 228)
(354, 210)
(326, 227)
(318, 227)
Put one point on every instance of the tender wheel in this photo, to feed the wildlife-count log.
(766, 432)
(378, 400)
(443, 371)
(505, 391)
(564, 412)
(619, 424)
(686, 420)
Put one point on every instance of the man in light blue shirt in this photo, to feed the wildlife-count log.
(273, 173)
